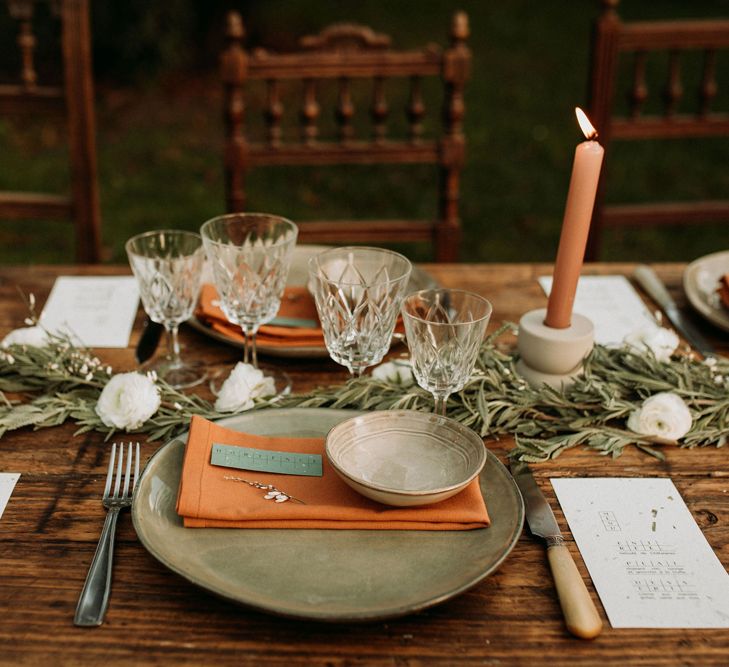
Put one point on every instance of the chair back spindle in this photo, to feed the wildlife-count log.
(614, 39)
(74, 100)
(345, 59)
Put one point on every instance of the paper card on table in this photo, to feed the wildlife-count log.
(612, 304)
(647, 557)
(7, 484)
(96, 311)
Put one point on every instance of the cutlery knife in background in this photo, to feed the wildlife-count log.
(149, 340)
(579, 611)
(655, 288)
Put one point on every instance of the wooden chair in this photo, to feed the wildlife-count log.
(613, 39)
(74, 99)
(347, 54)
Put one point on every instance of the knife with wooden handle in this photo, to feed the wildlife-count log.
(579, 611)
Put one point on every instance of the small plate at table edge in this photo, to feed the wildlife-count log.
(696, 296)
(419, 279)
(496, 542)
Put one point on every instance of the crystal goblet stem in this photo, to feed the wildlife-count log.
(441, 401)
(250, 352)
(173, 345)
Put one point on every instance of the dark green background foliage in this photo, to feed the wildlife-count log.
(160, 128)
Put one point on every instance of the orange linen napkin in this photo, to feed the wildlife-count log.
(207, 500)
(297, 302)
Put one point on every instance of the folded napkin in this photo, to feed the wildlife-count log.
(207, 500)
(297, 302)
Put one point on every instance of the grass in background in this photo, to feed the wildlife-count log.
(159, 142)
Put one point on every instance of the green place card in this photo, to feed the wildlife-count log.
(265, 460)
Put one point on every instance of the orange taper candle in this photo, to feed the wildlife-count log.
(575, 226)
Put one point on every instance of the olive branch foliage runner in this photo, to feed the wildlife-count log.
(47, 386)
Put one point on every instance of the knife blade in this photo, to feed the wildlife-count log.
(579, 611)
(655, 288)
(149, 340)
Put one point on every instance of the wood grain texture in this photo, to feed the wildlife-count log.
(49, 531)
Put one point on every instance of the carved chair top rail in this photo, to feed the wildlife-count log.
(655, 127)
(353, 152)
(269, 65)
(676, 35)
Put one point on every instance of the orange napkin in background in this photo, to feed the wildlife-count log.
(296, 302)
(207, 500)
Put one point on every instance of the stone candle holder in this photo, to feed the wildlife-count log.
(552, 356)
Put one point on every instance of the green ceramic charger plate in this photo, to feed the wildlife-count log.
(325, 575)
(299, 275)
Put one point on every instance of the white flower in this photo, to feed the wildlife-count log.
(244, 383)
(128, 400)
(33, 336)
(664, 415)
(662, 342)
(398, 372)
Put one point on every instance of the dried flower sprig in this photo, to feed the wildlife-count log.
(272, 493)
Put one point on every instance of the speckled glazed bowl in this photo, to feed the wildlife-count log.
(405, 458)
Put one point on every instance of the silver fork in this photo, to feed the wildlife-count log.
(94, 597)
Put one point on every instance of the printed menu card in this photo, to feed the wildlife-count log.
(612, 304)
(649, 560)
(7, 484)
(95, 311)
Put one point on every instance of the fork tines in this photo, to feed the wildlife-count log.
(119, 465)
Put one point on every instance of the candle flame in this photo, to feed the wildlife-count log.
(585, 125)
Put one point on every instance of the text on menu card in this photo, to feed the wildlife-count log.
(647, 557)
(95, 311)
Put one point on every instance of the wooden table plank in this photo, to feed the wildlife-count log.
(50, 528)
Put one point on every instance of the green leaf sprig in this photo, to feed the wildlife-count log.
(60, 382)
(544, 421)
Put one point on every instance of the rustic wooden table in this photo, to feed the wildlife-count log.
(50, 528)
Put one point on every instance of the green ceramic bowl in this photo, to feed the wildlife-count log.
(405, 458)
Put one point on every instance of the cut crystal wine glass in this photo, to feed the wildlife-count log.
(444, 330)
(250, 255)
(168, 265)
(358, 291)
